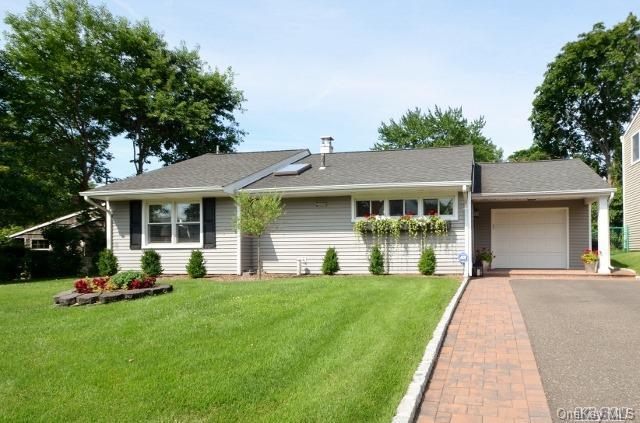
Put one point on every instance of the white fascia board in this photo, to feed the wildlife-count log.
(248, 180)
(112, 193)
(626, 131)
(358, 187)
(536, 194)
(42, 225)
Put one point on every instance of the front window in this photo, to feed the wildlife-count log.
(160, 223)
(403, 207)
(173, 223)
(188, 222)
(366, 208)
(635, 146)
(443, 206)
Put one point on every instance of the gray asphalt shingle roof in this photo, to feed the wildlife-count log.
(203, 171)
(379, 167)
(541, 176)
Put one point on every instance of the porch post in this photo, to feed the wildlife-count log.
(109, 226)
(238, 245)
(603, 235)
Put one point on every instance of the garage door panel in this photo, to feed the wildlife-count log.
(530, 238)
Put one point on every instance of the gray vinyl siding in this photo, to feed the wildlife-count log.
(579, 226)
(248, 260)
(631, 188)
(311, 225)
(219, 260)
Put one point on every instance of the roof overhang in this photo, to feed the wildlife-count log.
(591, 195)
(51, 222)
(153, 193)
(347, 189)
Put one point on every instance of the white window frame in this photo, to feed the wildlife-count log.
(637, 134)
(419, 197)
(40, 249)
(174, 244)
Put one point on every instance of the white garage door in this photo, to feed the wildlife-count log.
(530, 238)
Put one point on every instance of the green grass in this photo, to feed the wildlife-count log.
(313, 349)
(630, 260)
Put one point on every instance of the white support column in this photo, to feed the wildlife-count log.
(468, 230)
(603, 235)
(109, 225)
(239, 245)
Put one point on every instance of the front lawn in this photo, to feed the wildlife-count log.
(315, 349)
(630, 260)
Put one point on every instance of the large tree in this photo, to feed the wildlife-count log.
(170, 105)
(530, 154)
(437, 128)
(62, 58)
(589, 92)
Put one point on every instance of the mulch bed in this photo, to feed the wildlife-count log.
(72, 298)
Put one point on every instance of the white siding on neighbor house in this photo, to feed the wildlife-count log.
(219, 260)
(631, 187)
(311, 225)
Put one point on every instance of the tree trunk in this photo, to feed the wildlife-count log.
(608, 163)
(259, 260)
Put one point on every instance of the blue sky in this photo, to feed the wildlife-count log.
(312, 68)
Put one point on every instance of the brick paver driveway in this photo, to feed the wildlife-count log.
(486, 371)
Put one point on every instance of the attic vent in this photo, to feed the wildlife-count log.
(293, 169)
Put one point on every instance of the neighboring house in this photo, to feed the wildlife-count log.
(85, 221)
(631, 182)
(532, 215)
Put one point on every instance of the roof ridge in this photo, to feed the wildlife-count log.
(529, 161)
(252, 152)
(399, 149)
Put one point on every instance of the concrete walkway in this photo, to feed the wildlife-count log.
(486, 371)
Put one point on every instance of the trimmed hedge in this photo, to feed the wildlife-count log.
(330, 264)
(376, 261)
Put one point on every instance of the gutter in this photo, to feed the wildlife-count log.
(352, 187)
(599, 191)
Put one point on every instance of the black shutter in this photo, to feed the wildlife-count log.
(209, 222)
(135, 224)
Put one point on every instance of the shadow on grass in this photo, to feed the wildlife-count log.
(36, 280)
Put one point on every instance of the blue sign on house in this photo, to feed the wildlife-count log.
(463, 257)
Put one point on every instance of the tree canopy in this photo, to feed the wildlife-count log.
(530, 154)
(73, 77)
(437, 128)
(589, 92)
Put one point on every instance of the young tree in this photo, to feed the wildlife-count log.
(437, 128)
(257, 213)
(589, 91)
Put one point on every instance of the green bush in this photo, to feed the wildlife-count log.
(107, 263)
(123, 279)
(376, 261)
(196, 267)
(150, 263)
(12, 257)
(330, 263)
(427, 263)
(65, 251)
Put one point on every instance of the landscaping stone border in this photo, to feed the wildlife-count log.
(72, 298)
(410, 403)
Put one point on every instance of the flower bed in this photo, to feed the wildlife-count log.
(124, 285)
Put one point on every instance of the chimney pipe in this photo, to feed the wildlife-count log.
(326, 147)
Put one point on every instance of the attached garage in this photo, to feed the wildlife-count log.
(530, 238)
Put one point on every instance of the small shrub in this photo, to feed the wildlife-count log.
(196, 267)
(427, 263)
(330, 263)
(150, 263)
(376, 261)
(107, 263)
(122, 280)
